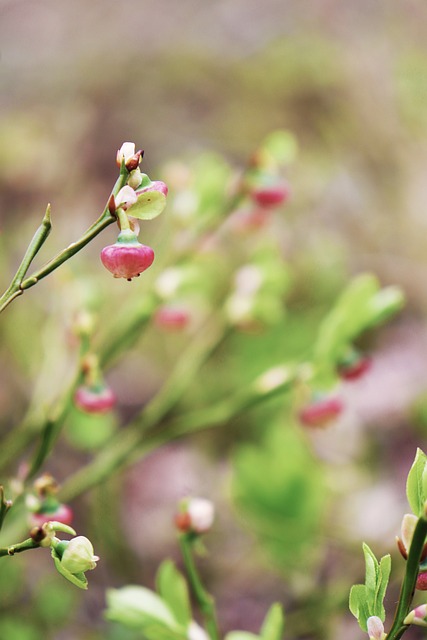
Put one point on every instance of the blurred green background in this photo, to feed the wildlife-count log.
(349, 79)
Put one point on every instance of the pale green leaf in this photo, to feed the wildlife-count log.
(149, 205)
(241, 635)
(172, 587)
(415, 490)
(274, 621)
(139, 608)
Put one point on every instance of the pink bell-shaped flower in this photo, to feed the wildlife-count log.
(95, 400)
(321, 412)
(271, 195)
(127, 258)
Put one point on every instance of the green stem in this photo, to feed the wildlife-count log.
(204, 599)
(146, 434)
(5, 505)
(14, 290)
(122, 447)
(408, 586)
(18, 548)
(19, 284)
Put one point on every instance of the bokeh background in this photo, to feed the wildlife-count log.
(349, 80)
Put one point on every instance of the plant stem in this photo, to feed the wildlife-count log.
(135, 443)
(18, 548)
(204, 599)
(14, 290)
(19, 284)
(120, 449)
(5, 505)
(408, 586)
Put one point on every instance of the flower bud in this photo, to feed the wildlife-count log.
(375, 628)
(196, 516)
(421, 584)
(46, 485)
(135, 178)
(196, 632)
(271, 195)
(172, 317)
(127, 258)
(409, 522)
(126, 152)
(417, 616)
(125, 197)
(354, 366)
(78, 556)
(49, 511)
(94, 399)
(321, 412)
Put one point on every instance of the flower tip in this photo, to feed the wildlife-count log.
(375, 628)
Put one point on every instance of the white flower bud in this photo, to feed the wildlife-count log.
(126, 151)
(375, 628)
(201, 512)
(195, 632)
(78, 555)
(126, 197)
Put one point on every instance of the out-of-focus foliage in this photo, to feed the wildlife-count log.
(199, 92)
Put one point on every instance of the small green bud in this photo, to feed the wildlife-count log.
(78, 556)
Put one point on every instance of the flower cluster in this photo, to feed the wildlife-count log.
(139, 199)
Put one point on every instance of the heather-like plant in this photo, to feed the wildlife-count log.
(211, 286)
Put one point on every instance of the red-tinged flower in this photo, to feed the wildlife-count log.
(127, 258)
(95, 400)
(355, 368)
(320, 413)
(196, 515)
(172, 317)
(271, 195)
(48, 512)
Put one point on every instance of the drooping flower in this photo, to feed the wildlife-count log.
(78, 555)
(321, 412)
(95, 399)
(127, 258)
(270, 194)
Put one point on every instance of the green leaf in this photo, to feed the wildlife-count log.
(372, 570)
(172, 587)
(386, 303)
(383, 577)
(78, 579)
(415, 484)
(274, 621)
(358, 605)
(282, 146)
(139, 608)
(149, 205)
(241, 635)
(367, 599)
(361, 306)
(347, 318)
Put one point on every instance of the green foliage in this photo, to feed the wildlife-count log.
(142, 609)
(272, 627)
(416, 484)
(366, 600)
(148, 206)
(172, 587)
(362, 305)
(280, 488)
